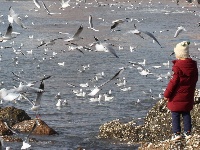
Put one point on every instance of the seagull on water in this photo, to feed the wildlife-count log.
(76, 37)
(103, 46)
(16, 18)
(138, 32)
(61, 102)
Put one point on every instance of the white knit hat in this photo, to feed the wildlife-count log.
(182, 49)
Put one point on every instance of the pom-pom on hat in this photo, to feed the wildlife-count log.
(182, 49)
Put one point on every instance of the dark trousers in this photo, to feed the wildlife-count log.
(176, 127)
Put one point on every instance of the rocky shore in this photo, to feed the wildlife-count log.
(18, 120)
(155, 133)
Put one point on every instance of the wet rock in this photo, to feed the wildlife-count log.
(3, 129)
(41, 129)
(156, 131)
(13, 115)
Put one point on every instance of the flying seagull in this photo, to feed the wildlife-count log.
(91, 23)
(51, 42)
(103, 46)
(45, 7)
(16, 18)
(13, 94)
(97, 89)
(36, 104)
(138, 32)
(26, 144)
(64, 4)
(37, 4)
(7, 35)
(117, 22)
(178, 31)
(76, 37)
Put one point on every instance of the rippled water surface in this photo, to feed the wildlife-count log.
(78, 122)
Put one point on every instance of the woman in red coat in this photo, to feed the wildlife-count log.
(180, 90)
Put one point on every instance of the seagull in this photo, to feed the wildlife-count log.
(97, 89)
(76, 37)
(91, 24)
(16, 18)
(51, 42)
(61, 102)
(58, 96)
(26, 144)
(138, 32)
(29, 83)
(13, 94)
(107, 98)
(117, 22)
(36, 104)
(178, 31)
(45, 7)
(96, 99)
(103, 46)
(37, 4)
(61, 63)
(7, 35)
(143, 71)
(64, 4)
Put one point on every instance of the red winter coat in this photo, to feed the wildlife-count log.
(180, 89)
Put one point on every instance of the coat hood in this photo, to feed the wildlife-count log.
(187, 66)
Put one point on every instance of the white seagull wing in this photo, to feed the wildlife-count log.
(16, 18)
(178, 31)
(90, 21)
(37, 4)
(45, 7)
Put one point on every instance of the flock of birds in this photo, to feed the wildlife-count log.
(25, 88)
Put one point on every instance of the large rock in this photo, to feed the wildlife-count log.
(41, 129)
(13, 115)
(156, 130)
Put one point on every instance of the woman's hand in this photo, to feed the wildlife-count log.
(165, 98)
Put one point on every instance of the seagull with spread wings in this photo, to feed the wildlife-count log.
(45, 7)
(115, 23)
(51, 42)
(76, 36)
(139, 32)
(91, 24)
(16, 18)
(97, 89)
(179, 30)
(37, 4)
(103, 46)
(7, 35)
(13, 94)
(25, 139)
(64, 4)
